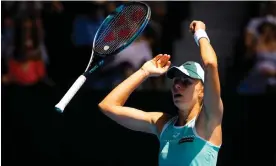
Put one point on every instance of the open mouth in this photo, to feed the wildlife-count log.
(177, 95)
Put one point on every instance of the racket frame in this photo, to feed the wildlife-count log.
(106, 21)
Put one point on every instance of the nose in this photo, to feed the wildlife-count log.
(177, 87)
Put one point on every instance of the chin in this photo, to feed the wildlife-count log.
(181, 105)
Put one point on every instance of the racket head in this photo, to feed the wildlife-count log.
(121, 28)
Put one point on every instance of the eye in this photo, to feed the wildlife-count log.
(187, 81)
(184, 81)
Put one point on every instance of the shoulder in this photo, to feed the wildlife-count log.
(160, 119)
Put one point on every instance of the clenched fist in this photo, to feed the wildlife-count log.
(196, 25)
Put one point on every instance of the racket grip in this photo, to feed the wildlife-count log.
(70, 93)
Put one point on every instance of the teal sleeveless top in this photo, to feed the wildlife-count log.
(182, 146)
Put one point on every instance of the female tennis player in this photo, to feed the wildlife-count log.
(192, 138)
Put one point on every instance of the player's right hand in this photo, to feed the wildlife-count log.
(157, 66)
(196, 25)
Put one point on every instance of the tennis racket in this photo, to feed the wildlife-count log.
(117, 31)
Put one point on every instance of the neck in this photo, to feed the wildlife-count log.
(185, 116)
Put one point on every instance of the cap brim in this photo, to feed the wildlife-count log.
(176, 72)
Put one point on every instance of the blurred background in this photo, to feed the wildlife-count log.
(45, 46)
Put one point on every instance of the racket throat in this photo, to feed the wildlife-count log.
(94, 66)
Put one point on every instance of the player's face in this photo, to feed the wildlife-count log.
(185, 91)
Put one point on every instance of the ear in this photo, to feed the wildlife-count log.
(201, 91)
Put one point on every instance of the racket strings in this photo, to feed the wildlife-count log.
(120, 32)
(121, 28)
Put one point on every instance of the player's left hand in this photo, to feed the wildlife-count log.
(196, 25)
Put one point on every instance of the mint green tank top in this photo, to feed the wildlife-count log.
(182, 146)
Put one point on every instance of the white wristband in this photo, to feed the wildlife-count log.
(200, 34)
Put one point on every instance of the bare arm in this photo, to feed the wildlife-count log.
(213, 106)
(212, 100)
(134, 119)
